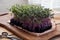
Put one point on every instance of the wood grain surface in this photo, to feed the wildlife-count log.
(23, 34)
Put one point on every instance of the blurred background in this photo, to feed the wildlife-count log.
(52, 4)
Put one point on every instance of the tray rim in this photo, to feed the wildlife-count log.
(37, 34)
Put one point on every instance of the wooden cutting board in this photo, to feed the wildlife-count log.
(23, 34)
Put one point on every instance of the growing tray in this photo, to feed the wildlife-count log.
(35, 33)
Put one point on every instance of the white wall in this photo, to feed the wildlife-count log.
(56, 3)
(47, 3)
(34, 1)
(6, 4)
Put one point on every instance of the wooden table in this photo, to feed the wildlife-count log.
(19, 33)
